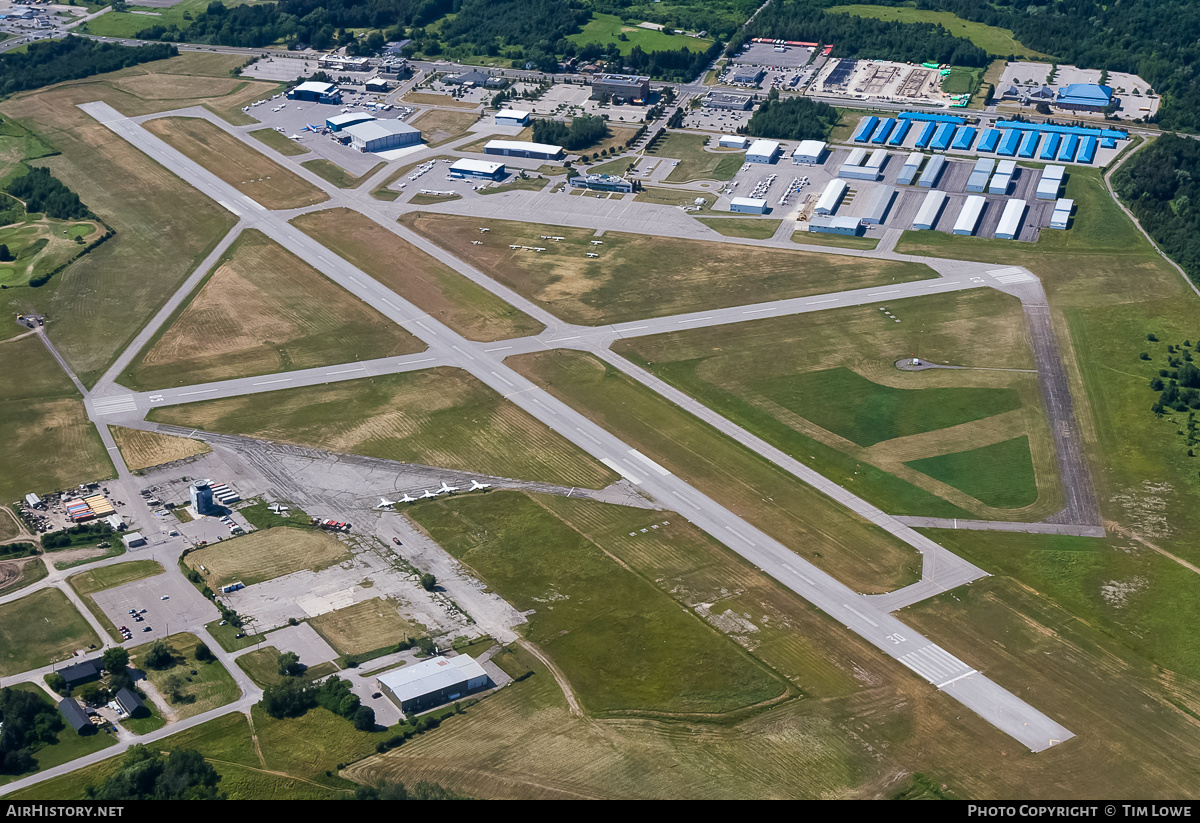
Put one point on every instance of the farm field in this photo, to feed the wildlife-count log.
(143, 449)
(68, 744)
(206, 685)
(251, 172)
(861, 556)
(338, 176)
(823, 387)
(49, 443)
(280, 142)
(40, 629)
(440, 126)
(163, 227)
(365, 626)
(606, 30)
(992, 39)
(742, 227)
(639, 276)
(263, 310)
(435, 288)
(695, 163)
(438, 417)
(608, 629)
(265, 555)
(811, 238)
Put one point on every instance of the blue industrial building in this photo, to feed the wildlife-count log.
(1070, 145)
(933, 118)
(1087, 150)
(926, 135)
(943, 136)
(900, 132)
(990, 138)
(1084, 97)
(963, 138)
(865, 128)
(1029, 144)
(882, 131)
(1050, 147)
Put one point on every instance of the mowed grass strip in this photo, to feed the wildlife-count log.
(622, 643)
(265, 555)
(49, 443)
(864, 412)
(856, 552)
(365, 626)
(280, 142)
(108, 577)
(639, 276)
(249, 171)
(742, 227)
(439, 417)
(338, 176)
(143, 449)
(432, 286)
(999, 475)
(206, 686)
(40, 629)
(845, 241)
(163, 226)
(695, 161)
(264, 310)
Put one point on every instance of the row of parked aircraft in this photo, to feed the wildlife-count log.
(475, 486)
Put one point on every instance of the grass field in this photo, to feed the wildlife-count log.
(992, 39)
(251, 172)
(163, 227)
(338, 176)
(606, 29)
(108, 577)
(812, 238)
(263, 310)
(280, 142)
(16, 576)
(1000, 475)
(126, 24)
(742, 227)
(678, 197)
(534, 183)
(439, 417)
(260, 516)
(431, 199)
(206, 686)
(422, 98)
(823, 388)
(262, 666)
(694, 162)
(68, 744)
(440, 126)
(622, 643)
(143, 449)
(40, 629)
(49, 443)
(435, 288)
(40, 244)
(638, 276)
(265, 555)
(365, 626)
(852, 550)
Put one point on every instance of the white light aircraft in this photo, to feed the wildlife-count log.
(384, 503)
(428, 494)
(477, 486)
(277, 509)
(447, 489)
(407, 499)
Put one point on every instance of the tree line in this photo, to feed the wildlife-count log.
(46, 62)
(584, 131)
(26, 724)
(796, 118)
(45, 193)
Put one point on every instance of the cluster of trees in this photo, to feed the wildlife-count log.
(45, 193)
(1179, 383)
(26, 723)
(866, 37)
(1161, 186)
(1156, 39)
(397, 791)
(86, 532)
(720, 18)
(584, 131)
(797, 118)
(318, 23)
(50, 61)
(293, 696)
(147, 775)
(680, 65)
(537, 25)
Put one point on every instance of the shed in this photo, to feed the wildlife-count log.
(131, 704)
(978, 180)
(865, 128)
(1062, 213)
(968, 218)
(75, 716)
(1029, 144)
(926, 135)
(133, 539)
(990, 138)
(735, 141)
(931, 207)
(908, 172)
(1010, 220)
(831, 197)
(900, 132)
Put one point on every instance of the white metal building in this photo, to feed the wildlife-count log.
(512, 117)
(927, 215)
(1050, 182)
(521, 148)
(878, 203)
(809, 151)
(748, 205)
(433, 682)
(762, 151)
(857, 157)
(933, 170)
(381, 135)
(828, 202)
(1010, 220)
(968, 218)
(1002, 179)
(1062, 213)
(827, 224)
(350, 118)
(908, 172)
(978, 180)
(732, 141)
(477, 168)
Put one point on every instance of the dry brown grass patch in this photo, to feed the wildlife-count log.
(265, 555)
(365, 626)
(144, 449)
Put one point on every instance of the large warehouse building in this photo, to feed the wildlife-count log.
(728, 102)
(748, 205)
(341, 121)
(520, 148)
(621, 87)
(809, 151)
(433, 682)
(317, 92)
(762, 151)
(1010, 220)
(381, 135)
(477, 168)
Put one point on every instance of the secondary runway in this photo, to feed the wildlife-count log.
(881, 629)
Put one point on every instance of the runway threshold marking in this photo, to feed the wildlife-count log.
(615, 466)
(649, 462)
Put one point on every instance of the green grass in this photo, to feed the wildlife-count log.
(962, 81)
(518, 184)
(260, 516)
(695, 163)
(999, 475)
(606, 28)
(844, 241)
(419, 199)
(851, 549)
(280, 142)
(617, 167)
(262, 666)
(440, 417)
(68, 744)
(227, 637)
(40, 629)
(34, 570)
(677, 197)
(992, 39)
(127, 24)
(338, 176)
(116, 549)
(108, 577)
(209, 687)
(866, 413)
(622, 643)
(742, 227)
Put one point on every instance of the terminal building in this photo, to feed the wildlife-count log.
(727, 101)
(521, 148)
(381, 135)
(626, 88)
(601, 182)
(477, 168)
(432, 683)
(316, 92)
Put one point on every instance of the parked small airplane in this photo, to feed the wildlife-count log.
(428, 494)
(384, 503)
(277, 509)
(407, 499)
(477, 486)
(447, 489)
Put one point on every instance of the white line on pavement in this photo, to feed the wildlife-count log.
(498, 348)
(732, 531)
(346, 371)
(953, 679)
(500, 377)
(269, 382)
(817, 302)
(201, 391)
(649, 462)
(615, 466)
(695, 319)
(860, 615)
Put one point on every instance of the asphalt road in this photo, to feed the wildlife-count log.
(860, 614)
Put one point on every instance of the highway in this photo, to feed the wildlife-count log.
(485, 361)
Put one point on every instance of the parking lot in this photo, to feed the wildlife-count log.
(184, 607)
